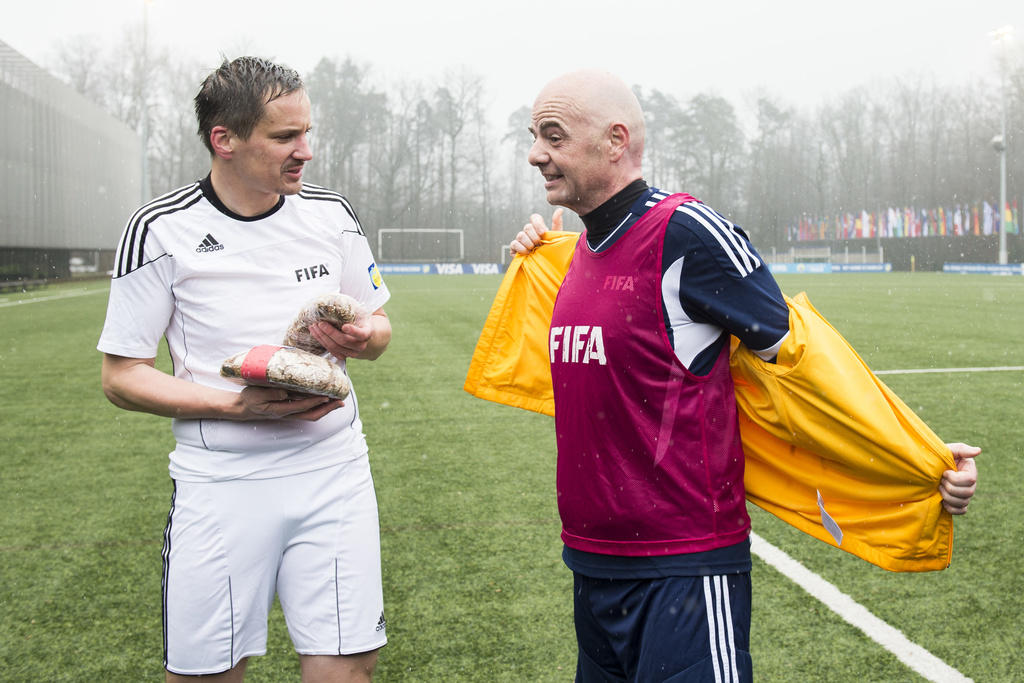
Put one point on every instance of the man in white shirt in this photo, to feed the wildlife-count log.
(272, 490)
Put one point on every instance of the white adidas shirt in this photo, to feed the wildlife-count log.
(214, 284)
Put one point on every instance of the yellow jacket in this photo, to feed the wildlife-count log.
(510, 364)
(829, 448)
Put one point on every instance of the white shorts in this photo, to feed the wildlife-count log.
(312, 538)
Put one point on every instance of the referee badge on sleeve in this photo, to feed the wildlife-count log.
(375, 277)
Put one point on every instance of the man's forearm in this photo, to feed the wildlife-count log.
(135, 384)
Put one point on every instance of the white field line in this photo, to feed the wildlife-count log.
(892, 639)
(921, 371)
(68, 295)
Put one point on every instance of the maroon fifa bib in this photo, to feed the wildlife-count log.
(649, 455)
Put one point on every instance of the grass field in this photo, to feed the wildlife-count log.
(474, 585)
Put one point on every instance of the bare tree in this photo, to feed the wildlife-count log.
(79, 61)
(519, 175)
(345, 108)
(176, 153)
(712, 142)
(663, 120)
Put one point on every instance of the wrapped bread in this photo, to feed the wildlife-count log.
(289, 368)
(334, 307)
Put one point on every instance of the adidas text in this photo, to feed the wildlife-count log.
(209, 243)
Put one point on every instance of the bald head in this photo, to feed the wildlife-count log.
(589, 138)
(602, 98)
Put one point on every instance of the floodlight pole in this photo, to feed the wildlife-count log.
(1002, 37)
(144, 105)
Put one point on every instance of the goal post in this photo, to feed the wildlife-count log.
(441, 245)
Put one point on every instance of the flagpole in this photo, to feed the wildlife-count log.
(1002, 187)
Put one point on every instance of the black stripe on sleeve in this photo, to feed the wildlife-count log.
(131, 251)
(319, 193)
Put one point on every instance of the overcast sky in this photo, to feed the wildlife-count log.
(803, 51)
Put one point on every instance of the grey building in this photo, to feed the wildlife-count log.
(70, 175)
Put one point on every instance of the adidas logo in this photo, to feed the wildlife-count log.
(209, 243)
(381, 623)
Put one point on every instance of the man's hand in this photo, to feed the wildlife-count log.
(135, 384)
(267, 403)
(958, 486)
(528, 238)
(348, 341)
(366, 339)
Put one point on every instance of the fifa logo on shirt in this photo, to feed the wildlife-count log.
(619, 282)
(579, 344)
(311, 272)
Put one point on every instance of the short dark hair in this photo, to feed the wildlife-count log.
(234, 95)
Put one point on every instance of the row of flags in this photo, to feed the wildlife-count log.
(983, 219)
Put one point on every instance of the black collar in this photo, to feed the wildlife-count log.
(602, 220)
(207, 186)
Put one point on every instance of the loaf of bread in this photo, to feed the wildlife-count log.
(287, 368)
(334, 307)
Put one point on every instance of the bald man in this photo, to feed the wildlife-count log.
(650, 466)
